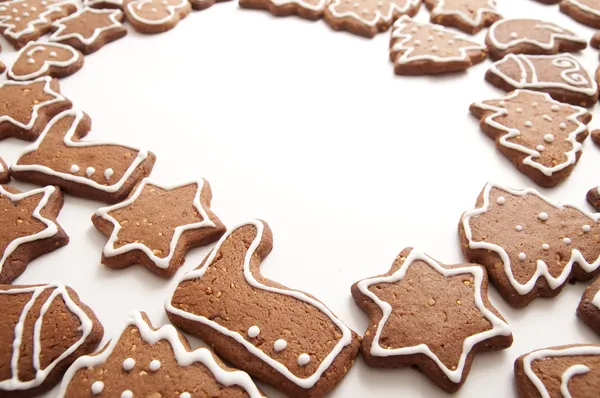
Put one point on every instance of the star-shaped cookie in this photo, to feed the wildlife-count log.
(157, 225)
(467, 15)
(27, 107)
(89, 29)
(28, 228)
(430, 315)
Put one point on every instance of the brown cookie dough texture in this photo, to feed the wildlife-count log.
(530, 245)
(541, 136)
(41, 59)
(429, 315)
(470, 16)
(156, 16)
(593, 198)
(368, 17)
(284, 337)
(157, 225)
(104, 4)
(43, 329)
(595, 41)
(27, 107)
(566, 371)
(22, 21)
(586, 12)
(28, 228)
(561, 76)
(148, 362)
(530, 36)
(423, 49)
(100, 171)
(89, 29)
(4, 172)
(309, 9)
(589, 306)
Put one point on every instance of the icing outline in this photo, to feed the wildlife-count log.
(561, 34)
(50, 9)
(136, 5)
(393, 9)
(583, 7)
(36, 46)
(60, 26)
(438, 10)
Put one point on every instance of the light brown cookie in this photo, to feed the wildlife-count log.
(4, 172)
(530, 245)
(44, 328)
(42, 59)
(561, 76)
(89, 29)
(586, 12)
(531, 36)
(22, 21)
(94, 170)
(104, 4)
(28, 228)
(541, 136)
(304, 351)
(309, 9)
(148, 362)
(367, 18)
(422, 49)
(567, 371)
(27, 107)
(470, 16)
(429, 315)
(589, 306)
(157, 225)
(156, 16)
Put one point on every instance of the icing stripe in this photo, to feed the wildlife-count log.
(476, 21)
(393, 10)
(134, 6)
(52, 8)
(583, 7)
(560, 34)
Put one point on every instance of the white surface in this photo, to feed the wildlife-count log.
(309, 130)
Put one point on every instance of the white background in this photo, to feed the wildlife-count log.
(310, 130)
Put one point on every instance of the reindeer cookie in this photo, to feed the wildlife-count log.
(304, 351)
(94, 170)
(467, 15)
(42, 59)
(156, 16)
(585, 11)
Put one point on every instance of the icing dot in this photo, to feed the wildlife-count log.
(154, 365)
(14, 10)
(417, 43)
(586, 228)
(365, 11)
(519, 228)
(545, 246)
(528, 124)
(31, 61)
(502, 103)
(253, 331)
(380, 4)
(522, 256)
(567, 241)
(108, 173)
(89, 171)
(97, 387)
(548, 138)
(519, 110)
(153, 9)
(534, 104)
(450, 41)
(356, 5)
(555, 108)
(2, 8)
(501, 200)
(546, 117)
(44, 3)
(17, 19)
(127, 394)
(540, 148)
(514, 35)
(128, 364)
(414, 29)
(562, 126)
(185, 395)
(74, 168)
(303, 359)
(52, 54)
(543, 216)
(25, 14)
(430, 38)
(434, 48)
(280, 345)
(33, 8)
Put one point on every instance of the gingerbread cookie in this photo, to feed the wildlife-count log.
(589, 306)
(304, 351)
(467, 15)
(94, 170)
(530, 246)
(429, 315)
(103, 4)
(367, 18)
(89, 29)
(22, 21)
(567, 371)
(593, 198)
(595, 41)
(541, 136)
(561, 76)
(422, 48)
(156, 16)
(2, 68)
(585, 11)
(149, 362)
(530, 36)
(157, 225)
(596, 137)
(44, 329)
(28, 228)
(27, 107)
(41, 59)
(309, 9)
(4, 172)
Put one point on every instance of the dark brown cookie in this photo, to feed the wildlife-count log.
(541, 136)
(27, 107)
(567, 371)
(595, 41)
(45, 59)
(530, 245)
(281, 336)
(156, 16)
(531, 36)
(561, 76)
(589, 306)
(4, 172)
(429, 315)
(157, 225)
(28, 228)
(593, 198)
(94, 170)
(470, 16)
(43, 329)
(148, 362)
(585, 11)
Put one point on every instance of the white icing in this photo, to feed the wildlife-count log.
(8, 28)
(60, 26)
(477, 20)
(253, 331)
(543, 216)
(547, 117)
(519, 228)
(154, 365)
(528, 124)
(393, 11)
(501, 200)
(307, 382)
(33, 47)
(162, 262)
(128, 364)
(136, 5)
(14, 383)
(74, 169)
(567, 241)
(280, 345)
(546, 246)
(185, 395)
(558, 33)
(303, 359)
(586, 228)
(183, 357)
(127, 394)
(499, 327)
(540, 148)
(562, 126)
(596, 300)
(522, 256)
(568, 375)
(108, 173)
(542, 267)
(90, 171)
(97, 387)
(583, 7)
(548, 138)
